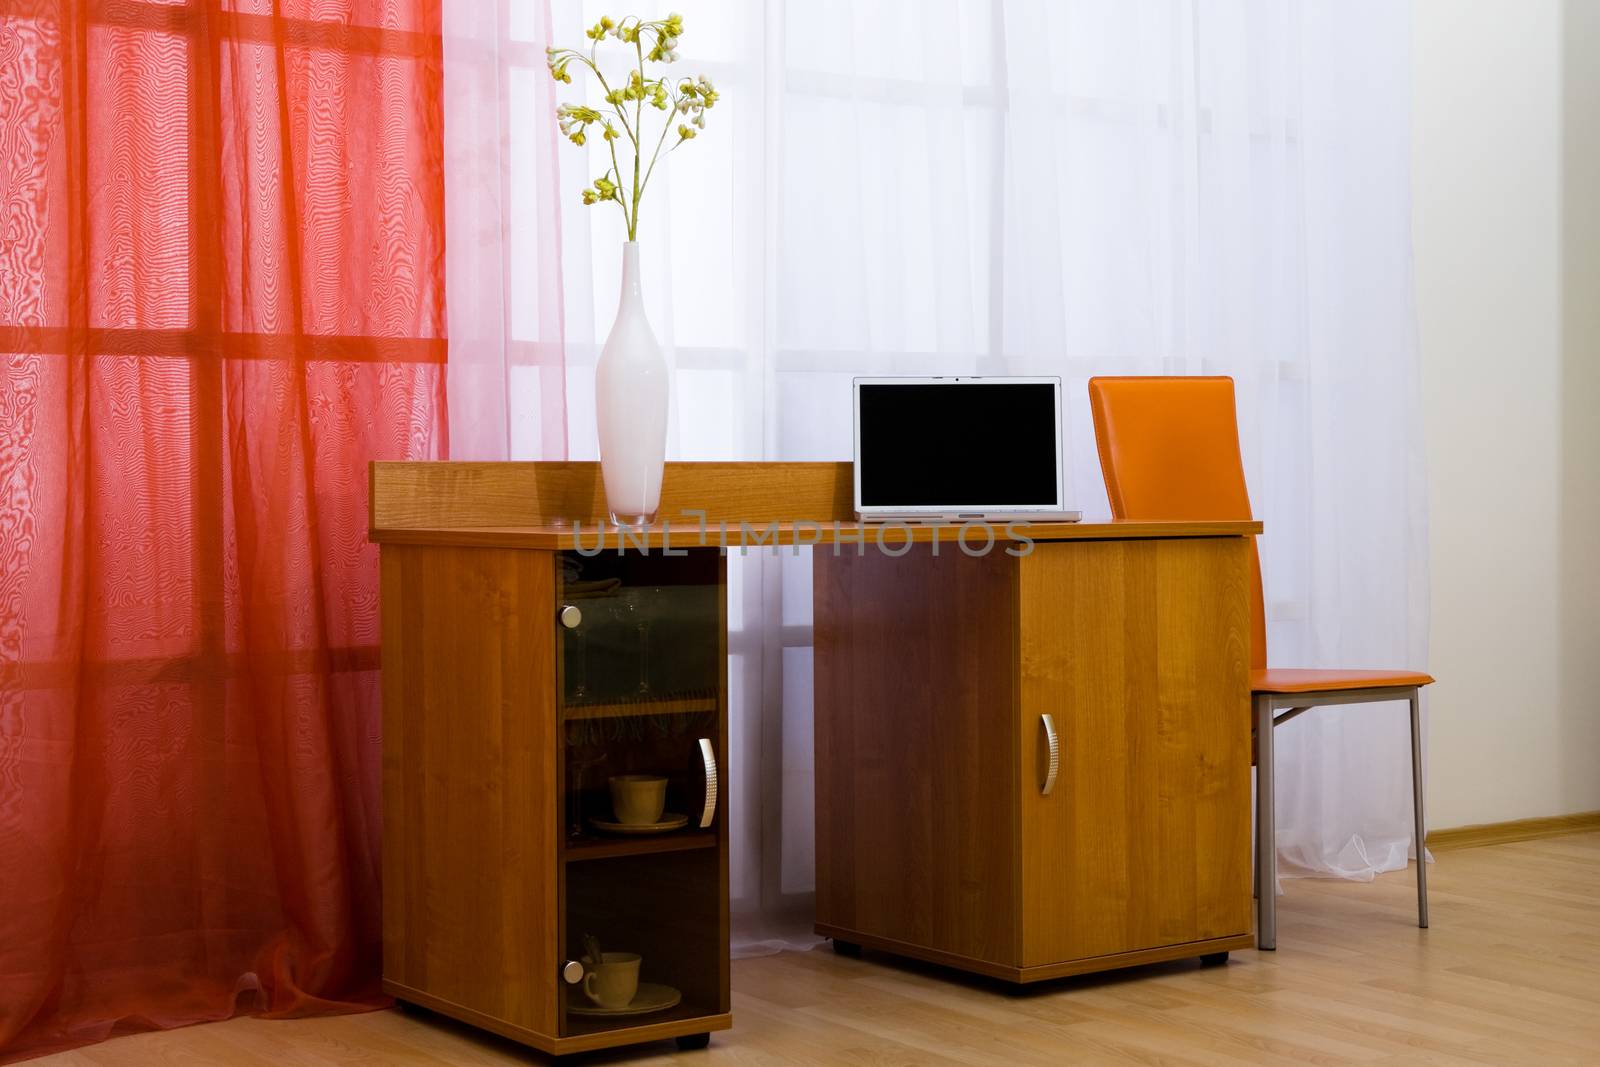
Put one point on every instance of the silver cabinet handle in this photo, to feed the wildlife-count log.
(570, 616)
(708, 757)
(1053, 745)
(572, 973)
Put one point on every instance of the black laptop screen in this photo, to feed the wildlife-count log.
(957, 444)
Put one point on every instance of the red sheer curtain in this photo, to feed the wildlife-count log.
(221, 295)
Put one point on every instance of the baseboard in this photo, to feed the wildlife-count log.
(1499, 833)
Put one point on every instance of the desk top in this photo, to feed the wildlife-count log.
(591, 537)
(738, 505)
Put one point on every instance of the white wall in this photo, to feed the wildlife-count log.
(1506, 171)
(1580, 409)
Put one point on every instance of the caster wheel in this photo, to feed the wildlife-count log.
(847, 948)
(1214, 959)
(690, 1042)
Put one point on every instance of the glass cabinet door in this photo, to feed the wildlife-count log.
(641, 669)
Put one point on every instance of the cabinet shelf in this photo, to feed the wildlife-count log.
(697, 705)
(584, 1025)
(597, 848)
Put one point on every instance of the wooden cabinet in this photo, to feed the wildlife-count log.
(521, 670)
(940, 679)
(517, 682)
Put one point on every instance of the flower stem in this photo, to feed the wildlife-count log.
(618, 172)
(638, 120)
(665, 126)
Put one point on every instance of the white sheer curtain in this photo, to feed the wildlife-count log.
(1072, 188)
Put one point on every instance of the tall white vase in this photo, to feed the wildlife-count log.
(631, 383)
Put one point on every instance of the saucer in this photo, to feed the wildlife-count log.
(650, 997)
(668, 821)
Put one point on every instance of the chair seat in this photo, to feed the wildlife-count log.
(1288, 680)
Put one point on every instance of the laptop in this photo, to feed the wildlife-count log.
(959, 449)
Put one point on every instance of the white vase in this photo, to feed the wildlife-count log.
(631, 383)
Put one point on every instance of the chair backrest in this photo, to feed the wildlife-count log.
(1169, 449)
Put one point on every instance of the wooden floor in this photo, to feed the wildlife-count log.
(1509, 974)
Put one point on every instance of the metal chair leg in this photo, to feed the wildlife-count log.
(1266, 839)
(1255, 864)
(1255, 839)
(1419, 828)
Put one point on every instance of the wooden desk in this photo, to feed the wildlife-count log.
(933, 666)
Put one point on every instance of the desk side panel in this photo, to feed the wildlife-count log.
(915, 740)
(469, 781)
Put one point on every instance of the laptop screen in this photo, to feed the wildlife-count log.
(957, 444)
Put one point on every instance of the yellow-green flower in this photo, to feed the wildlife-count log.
(574, 119)
(558, 61)
(665, 48)
(625, 181)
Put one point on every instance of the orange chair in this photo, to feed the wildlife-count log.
(1169, 448)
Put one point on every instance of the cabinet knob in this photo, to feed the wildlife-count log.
(572, 973)
(570, 616)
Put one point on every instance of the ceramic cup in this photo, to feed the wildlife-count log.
(613, 981)
(638, 799)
